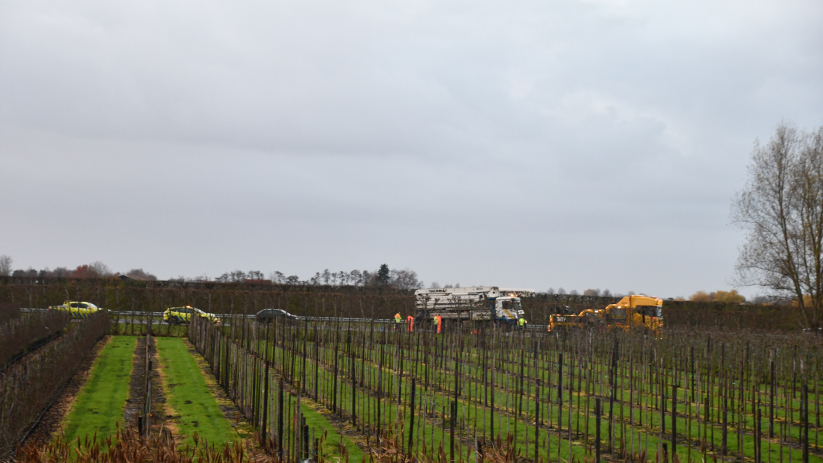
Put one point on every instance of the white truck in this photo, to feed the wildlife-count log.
(489, 303)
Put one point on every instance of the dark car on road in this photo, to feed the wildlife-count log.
(268, 315)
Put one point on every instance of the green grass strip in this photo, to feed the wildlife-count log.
(102, 401)
(193, 404)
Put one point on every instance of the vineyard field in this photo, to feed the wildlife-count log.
(361, 391)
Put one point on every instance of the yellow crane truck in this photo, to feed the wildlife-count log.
(635, 311)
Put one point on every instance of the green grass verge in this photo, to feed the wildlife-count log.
(194, 408)
(102, 401)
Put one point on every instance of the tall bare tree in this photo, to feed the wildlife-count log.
(781, 208)
(5, 265)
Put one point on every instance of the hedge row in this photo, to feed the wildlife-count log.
(366, 302)
(29, 387)
(20, 333)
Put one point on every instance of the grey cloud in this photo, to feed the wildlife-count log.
(564, 136)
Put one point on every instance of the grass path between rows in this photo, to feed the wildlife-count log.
(320, 424)
(102, 401)
(192, 406)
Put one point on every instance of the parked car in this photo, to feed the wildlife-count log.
(76, 309)
(268, 315)
(177, 315)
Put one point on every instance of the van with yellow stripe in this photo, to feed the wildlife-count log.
(183, 315)
(76, 309)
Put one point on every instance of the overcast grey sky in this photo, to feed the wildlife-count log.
(575, 144)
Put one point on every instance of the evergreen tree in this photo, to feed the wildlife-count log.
(383, 275)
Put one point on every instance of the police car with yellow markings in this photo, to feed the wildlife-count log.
(178, 315)
(76, 309)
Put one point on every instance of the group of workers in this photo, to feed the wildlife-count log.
(438, 322)
(410, 321)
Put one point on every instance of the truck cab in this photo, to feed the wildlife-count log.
(507, 308)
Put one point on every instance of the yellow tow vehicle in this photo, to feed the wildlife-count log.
(563, 322)
(630, 312)
(178, 315)
(635, 312)
(591, 318)
(76, 309)
(565, 319)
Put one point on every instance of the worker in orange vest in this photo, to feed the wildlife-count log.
(438, 321)
(411, 323)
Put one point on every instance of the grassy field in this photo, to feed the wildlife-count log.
(102, 401)
(193, 406)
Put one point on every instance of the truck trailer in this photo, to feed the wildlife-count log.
(476, 303)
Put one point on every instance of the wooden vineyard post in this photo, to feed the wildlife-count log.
(816, 400)
(353, 370)
(674, 420)
(804, 415)
(411, 415)
(265, 405)
(451, 431)
(612, 395)
(724, 423)
(280, 447)
(771, 399)
(692, 368)
(758, 449)
(492, 400)
(316, 365)
(597, 430)
(559, 393)
(379, 391)
(334, 383)
(570, 401)
(536, 418)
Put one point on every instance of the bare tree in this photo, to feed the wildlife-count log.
(781, 208)
(102, 270)
(355, 277)
(277, 277)
(255, 275)
(405, 279)
(5, 265)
